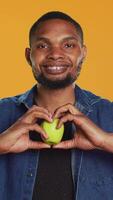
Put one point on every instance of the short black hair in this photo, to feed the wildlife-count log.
(55, 15)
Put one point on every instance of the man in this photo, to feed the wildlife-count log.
(79, 167)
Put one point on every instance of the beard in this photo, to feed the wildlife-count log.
(54, 84)
(57, 84)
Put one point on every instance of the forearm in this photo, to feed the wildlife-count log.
(108, 143)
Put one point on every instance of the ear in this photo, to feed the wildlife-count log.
(84, 52)
(27, 55)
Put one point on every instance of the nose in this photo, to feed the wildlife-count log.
(55, 54)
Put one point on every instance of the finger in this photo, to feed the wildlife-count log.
(33, 116)
(85, 123)
(67, 117)
(90, 129)
(39, 108)
(68, 144)
(35, 108)
(66, 108)
(38, 145)
(15, 131)
(38, 129)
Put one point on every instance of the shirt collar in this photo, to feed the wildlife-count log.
(28, 97)
(84, 102)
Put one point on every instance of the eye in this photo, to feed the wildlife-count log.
(69, 45)
(42, 46)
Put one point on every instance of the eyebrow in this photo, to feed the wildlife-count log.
(42, 39)
(70, 38)
(64, 39)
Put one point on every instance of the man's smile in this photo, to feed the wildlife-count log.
(55, 68)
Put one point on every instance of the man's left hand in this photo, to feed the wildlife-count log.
(88, 135)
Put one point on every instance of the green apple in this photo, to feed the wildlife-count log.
(54, 134)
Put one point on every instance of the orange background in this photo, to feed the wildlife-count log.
(96, 18)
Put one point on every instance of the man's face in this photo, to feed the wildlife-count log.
(56, 54)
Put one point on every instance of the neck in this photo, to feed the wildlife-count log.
(52, 99)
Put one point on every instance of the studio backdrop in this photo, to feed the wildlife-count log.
(96, 19)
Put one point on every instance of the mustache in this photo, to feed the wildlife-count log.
(57, 63)
(50, 63)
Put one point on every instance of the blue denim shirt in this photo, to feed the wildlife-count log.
(92, 170)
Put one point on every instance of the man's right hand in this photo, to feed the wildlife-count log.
(16, 138)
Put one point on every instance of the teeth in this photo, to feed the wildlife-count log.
(55, 68)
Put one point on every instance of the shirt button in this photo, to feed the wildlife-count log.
(29, 174)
